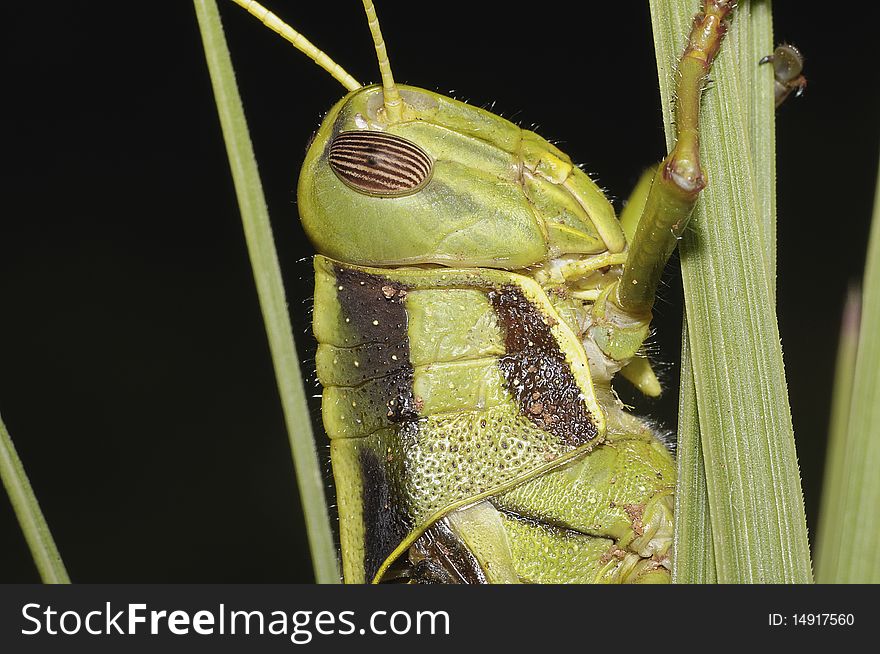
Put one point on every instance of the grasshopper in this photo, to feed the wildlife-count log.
(475, 294)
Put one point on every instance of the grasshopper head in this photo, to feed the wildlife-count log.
(445, 183)
(402, 176)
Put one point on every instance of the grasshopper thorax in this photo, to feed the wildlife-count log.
(445, 183)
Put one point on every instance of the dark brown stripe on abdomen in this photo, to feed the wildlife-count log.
(537, 374)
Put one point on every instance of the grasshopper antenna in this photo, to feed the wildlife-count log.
(305, 46)
(393, 103)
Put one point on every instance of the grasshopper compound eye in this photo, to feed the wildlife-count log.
(380, 164)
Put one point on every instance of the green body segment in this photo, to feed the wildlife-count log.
(446, 387)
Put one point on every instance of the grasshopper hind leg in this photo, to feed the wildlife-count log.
(603, 518)
(439, 556)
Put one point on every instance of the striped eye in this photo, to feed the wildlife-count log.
(376, 163)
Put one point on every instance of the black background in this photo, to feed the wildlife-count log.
(134, 372)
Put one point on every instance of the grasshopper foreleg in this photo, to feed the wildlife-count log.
(680, 177)
(788, 63)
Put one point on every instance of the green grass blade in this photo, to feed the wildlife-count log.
(851, 515)
(693, 561)
(830, 536)
(267, 275)
(752, 41)
(752, 477)
(30, 517)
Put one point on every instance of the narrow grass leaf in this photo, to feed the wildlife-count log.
(30, 517)
(849, 547)
(752, 477)
(267, 275)
(752, 41)
(693, 559)
(830, 537)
